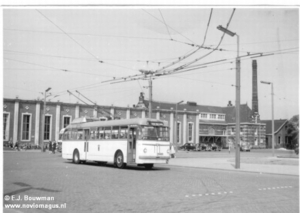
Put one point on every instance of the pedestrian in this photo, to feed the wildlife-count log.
(17, 145)
(50, 147)
(229, 145)
(11, 144)
(53, 147)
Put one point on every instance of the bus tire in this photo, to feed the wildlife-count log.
(149, 166)
(76, 157)
(119, 160)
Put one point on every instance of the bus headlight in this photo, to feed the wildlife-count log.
(145, 150)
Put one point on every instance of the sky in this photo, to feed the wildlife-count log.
(80, 48)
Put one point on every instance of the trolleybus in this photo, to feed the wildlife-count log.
(141, 142)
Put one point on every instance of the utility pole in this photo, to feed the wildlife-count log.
(150, 96)
(272, 94)
(148, 74)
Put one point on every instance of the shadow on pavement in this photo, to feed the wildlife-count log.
(128, 167)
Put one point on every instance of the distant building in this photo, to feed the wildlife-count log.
(280, 133)
(194, 123)
(208, 124)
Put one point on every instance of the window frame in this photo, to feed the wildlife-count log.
(6, 134)
(50, 129)
(192, 134)
(179, 133)
(63, 120)
(30, 126)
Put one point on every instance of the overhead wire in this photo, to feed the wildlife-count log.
(165, 24)
(197, 59)
(55, 68)
(211, 11)
(194, 51)
(88, 34)
(135, 37)
(84, 59)
(100, 61)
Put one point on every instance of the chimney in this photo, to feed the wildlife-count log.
(254, 88)
(229, 104)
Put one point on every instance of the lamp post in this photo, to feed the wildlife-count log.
(272, 94)
(175, 125)
(43, 122)
(238, 96)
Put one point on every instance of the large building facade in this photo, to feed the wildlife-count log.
(22, 120)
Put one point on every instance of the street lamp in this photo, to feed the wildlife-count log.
(272, 93)
(175, 125)
(238, 96)
(43, 127)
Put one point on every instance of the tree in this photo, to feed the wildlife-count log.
(293, 131)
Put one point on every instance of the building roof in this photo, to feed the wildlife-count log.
(229, 111)
(278, 125)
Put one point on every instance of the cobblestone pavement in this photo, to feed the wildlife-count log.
(93, 188)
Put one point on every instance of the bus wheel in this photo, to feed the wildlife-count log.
(76, 158)
(148, 166)
(119, 161)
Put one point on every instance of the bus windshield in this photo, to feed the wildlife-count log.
(154, 133)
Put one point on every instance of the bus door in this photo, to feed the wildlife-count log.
(131, 146)
(86, 143)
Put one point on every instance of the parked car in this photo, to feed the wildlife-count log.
(200, 147)
(245, 146)
(188, 146)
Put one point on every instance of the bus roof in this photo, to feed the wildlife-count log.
(122, 122)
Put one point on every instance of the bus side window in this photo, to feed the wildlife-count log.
(107, 132)
(101, 133)
(86, 135)
(74, 134)
(115, 132)
(70, 135)
(92, 136)
(66, 135)
(97, 136)
(123, 132)
(79, 135)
